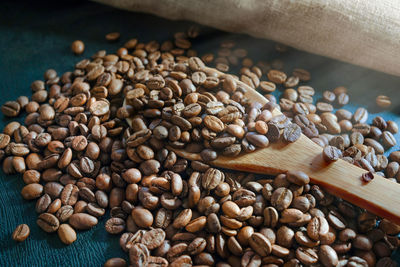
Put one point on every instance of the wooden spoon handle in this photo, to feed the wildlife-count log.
(342, 179)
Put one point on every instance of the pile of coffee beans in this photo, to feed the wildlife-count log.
(79, 158)
(188, 108)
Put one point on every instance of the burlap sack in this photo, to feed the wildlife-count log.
(362, 32)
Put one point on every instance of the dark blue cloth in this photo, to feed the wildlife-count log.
(36, 35)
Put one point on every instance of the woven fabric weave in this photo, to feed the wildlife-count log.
(362, 32)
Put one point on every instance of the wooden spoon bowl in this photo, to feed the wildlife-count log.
(342, 179)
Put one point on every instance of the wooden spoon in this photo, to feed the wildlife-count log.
(342, 179)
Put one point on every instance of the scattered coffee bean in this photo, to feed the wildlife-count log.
(77, 47)
(112, 36)
(11, 108)
(79, 158)
(48, 222)
(21, 233)
(66, 234)
(115, 262)
(383, 101)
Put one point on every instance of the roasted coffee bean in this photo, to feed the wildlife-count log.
(64, 213)
(43, 203)
(306, 256)
(66, 234)
(360, 116)
(77, 47)
(81, 157)
(4, 140)
(212, 178)
(95, 210)
(260, 244)
(388, 139)
(298, 177)
(32, 191)
(11, 108)
(383, 101)
(281, 199)
(331, 153)
(69, 195)
(362, 242)
(257, 140)
(153, 238)
(115, 225)
(327, 255)
(82, 221)
(48, 222)
(317, 227)
(291, 133)
(115, 262)
(21, 233)
(79, 143)
(142, 217)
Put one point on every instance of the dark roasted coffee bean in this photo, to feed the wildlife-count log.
(43, 203)
(212, 178)
(153, 238)
(11, 108)
(48, 222)
(115, 225)
(64, 213)
(79, 143)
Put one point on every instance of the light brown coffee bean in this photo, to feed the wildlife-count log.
(331, 154)
(77, 47)
(99, 108)
(257, 140)
(360, 116)
(277, 76)
(281, 198)
(388, 139)
(32, 191)
(213, 123)
(115, 225)
(298, 177)
(21, 233)
(142, 217)
(383, 101)
(115, 262)
(66, 234)
(82, 221)
(317, 227)
(291, 133)
(362, 242)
